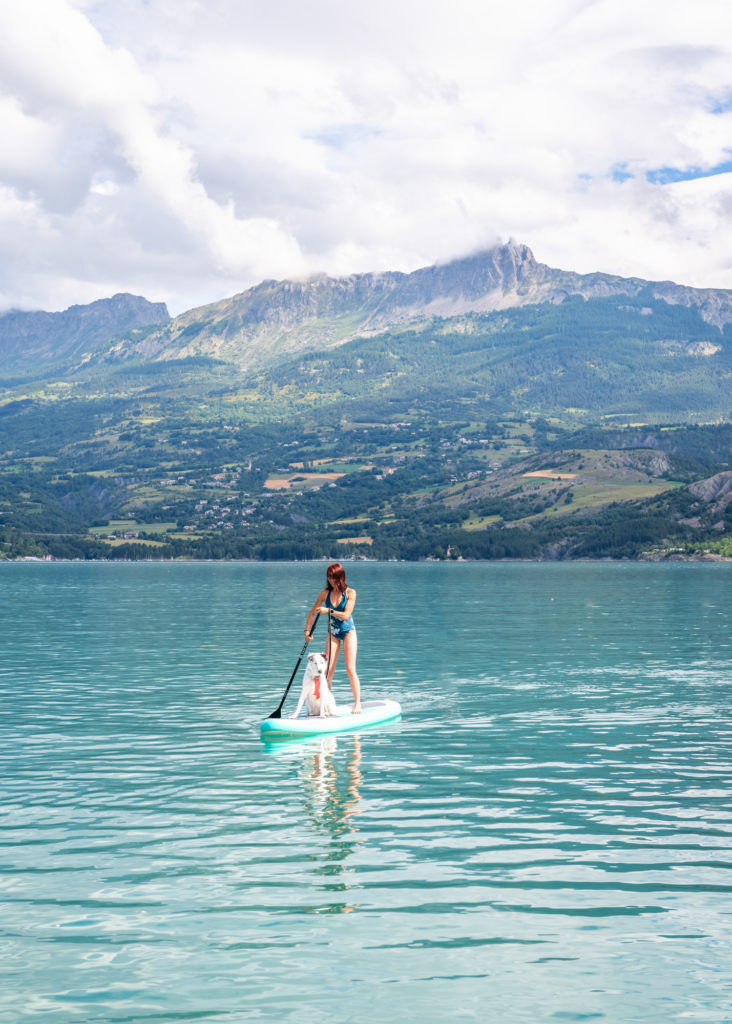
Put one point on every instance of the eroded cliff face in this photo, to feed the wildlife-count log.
(714, 487)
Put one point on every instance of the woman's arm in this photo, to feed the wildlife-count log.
(314, 610)
(348, 610)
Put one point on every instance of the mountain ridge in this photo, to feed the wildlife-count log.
(272, 320)
(276, 318)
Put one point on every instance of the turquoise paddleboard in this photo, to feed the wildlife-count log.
(374, 712)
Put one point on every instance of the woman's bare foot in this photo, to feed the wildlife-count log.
(357, 709)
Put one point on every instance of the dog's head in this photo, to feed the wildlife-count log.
(315, 672)
(317, 665)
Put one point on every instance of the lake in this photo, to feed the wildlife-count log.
(545, 836)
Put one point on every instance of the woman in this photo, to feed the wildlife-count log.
(338, 600)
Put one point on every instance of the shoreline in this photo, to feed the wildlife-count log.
(675, 558)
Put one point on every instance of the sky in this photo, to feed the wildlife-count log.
(185, 150)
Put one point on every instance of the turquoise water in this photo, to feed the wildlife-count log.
(545, 836)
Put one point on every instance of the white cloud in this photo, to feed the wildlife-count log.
(187, 150)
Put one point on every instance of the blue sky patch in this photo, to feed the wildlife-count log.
(722, 106)
(620, 172)
(668, 175)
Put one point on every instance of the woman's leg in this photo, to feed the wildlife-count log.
(350, 649)
(332, 648)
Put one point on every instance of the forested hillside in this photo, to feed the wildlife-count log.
(600, 358)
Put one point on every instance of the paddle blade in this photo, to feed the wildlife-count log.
(276, 714)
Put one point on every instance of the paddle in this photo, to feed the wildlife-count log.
(278, 712)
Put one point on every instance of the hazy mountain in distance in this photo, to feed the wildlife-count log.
(28, 339)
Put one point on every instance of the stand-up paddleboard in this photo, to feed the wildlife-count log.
(374, 712)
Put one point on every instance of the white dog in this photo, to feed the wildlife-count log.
(315, 689)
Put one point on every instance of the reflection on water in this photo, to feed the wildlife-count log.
(331, 801)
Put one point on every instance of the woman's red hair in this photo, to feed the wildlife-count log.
(336, 576)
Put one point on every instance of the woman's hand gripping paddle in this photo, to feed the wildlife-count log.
(278, 712)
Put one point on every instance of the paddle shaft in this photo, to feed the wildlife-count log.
(278, 712)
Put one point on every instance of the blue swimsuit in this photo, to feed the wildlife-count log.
(338, 627)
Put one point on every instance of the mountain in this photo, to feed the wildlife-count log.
(277, 318)
(491, 407)
(30, 338)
